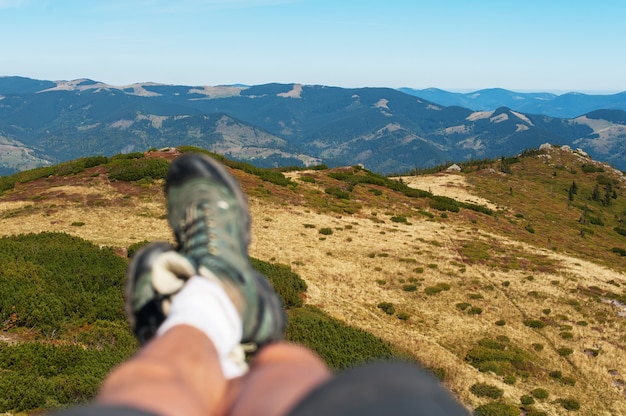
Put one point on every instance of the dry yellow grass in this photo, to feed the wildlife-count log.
(344, 272)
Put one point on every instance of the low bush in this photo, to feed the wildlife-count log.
(462, 305)
(527, 400)
(534, 323)
(398, 218)
(438, 288)
(570, 404)
(486, 390)
(475, 310)
(409, 288)
(403, 316)
(564, 351)
(387, 307)
(339, 345)
(496, 409)
(337, 193)
(326, 231)
(540, 393)
(135, 169)
(289, 286)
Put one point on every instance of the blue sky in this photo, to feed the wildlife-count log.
(460, 45)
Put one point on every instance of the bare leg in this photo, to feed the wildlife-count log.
(181, 366)
(280, 376)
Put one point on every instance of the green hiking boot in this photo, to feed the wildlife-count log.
(155, 274)
(209, 215)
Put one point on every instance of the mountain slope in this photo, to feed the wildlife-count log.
(279, 124)
(568, 105)
(528, 297)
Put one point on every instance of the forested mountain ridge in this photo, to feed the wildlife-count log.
(385, 130)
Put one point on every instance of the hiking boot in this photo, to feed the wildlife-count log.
(208, 213)
(155, 274)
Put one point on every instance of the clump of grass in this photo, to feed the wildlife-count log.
(326, 231)
(309, 225)
(77, 224)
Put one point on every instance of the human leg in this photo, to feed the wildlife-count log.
(205, 288)
(169, 380)
(280, 376)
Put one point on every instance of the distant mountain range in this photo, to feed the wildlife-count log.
(386, 130)
(568, 105)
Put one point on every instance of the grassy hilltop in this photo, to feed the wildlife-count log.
(506, 279)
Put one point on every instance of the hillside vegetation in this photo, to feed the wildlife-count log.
(506, 279)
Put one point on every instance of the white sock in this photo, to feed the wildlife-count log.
(203, 304)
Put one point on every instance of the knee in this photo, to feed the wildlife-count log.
(288, 353)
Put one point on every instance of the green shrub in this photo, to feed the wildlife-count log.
(620, 230)
(540, 393)
(135, 169)
(509, 379)
(337, 193)
(570, 381)
(564, 351)
(530, 229)
(534, 323)
(403, 316)
(496, 409)
(569, 404)
(438, 288)
(590, 168)
(339, 345)
(398, 218)
(501, 322)
(326, 231)
(527, 400)
(619, 250)
(566, 335)
(462, 305)
(556, 374)
(387, 307)
(289, 286)
(409, 288)
(444, 203)
(537, 347)
(475, 310)
(486, 390)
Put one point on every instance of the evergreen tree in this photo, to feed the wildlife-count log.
(595, 196)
